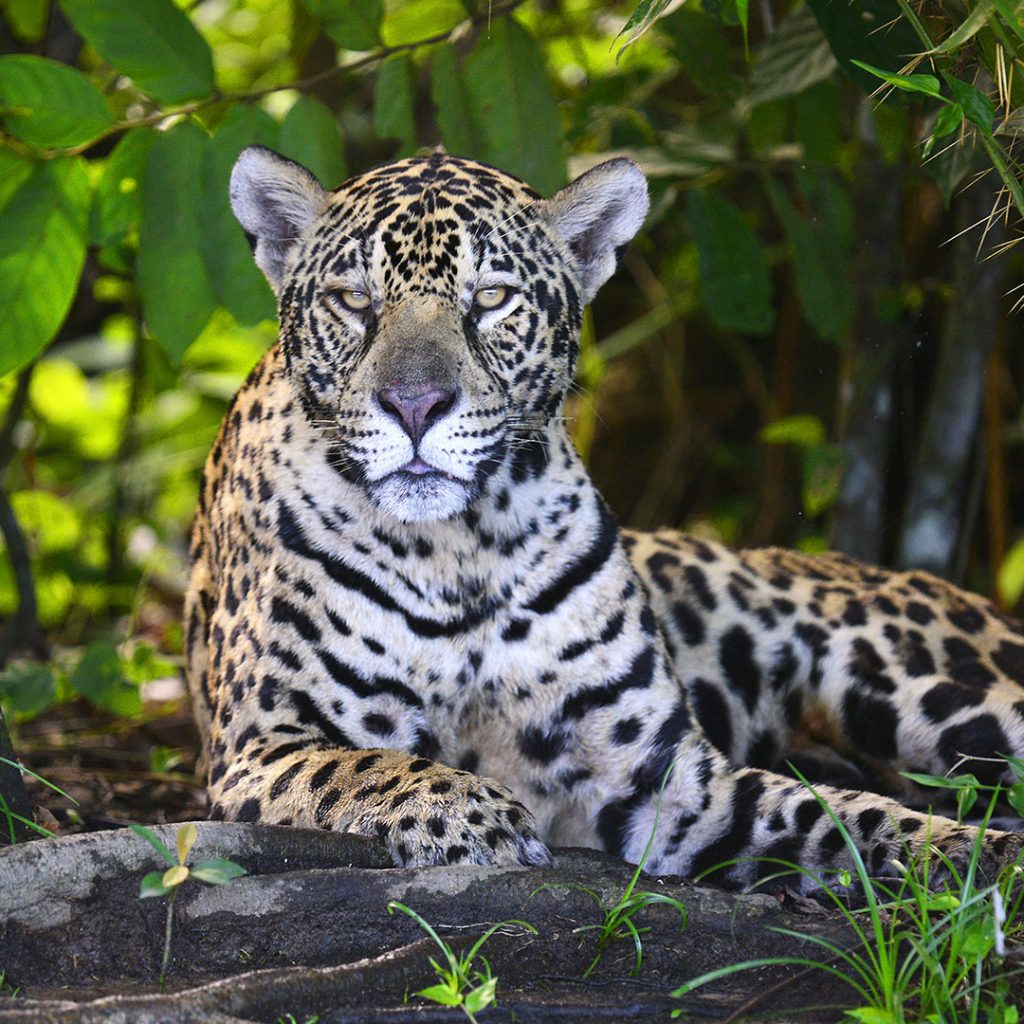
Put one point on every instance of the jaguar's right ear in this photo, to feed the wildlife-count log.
(275, 200)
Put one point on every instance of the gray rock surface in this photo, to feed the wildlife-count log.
(307, 932)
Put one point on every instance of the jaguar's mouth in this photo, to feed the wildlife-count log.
(419, 467)
(420, 492)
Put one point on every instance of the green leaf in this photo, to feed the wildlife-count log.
(1016, 765)
(820, 247)
(14, 170)
(942, 781)
(99, 678)
(177, 294)
(803, 431)
(949, 119)
(27, 19)
(967, 28)
(152, 884)
(156, 842)
(117, 205)
(1010, 579)
(352, 24)
(218, 872)
(867, 30)
(481, 997)
(237, 282)
(442, 994)
(926, 84)
(734, 273)
(448, 91)
(795, 57)
(977, 107)
(873, 1015)
(27, 688)
(512, 106)
(704, 55)
(1013, 14)
(644, 15)
(310, 136)
(393, 104)
(48, 104)
(42, 249)
(965, 799)
(822, 472)
(153, 42)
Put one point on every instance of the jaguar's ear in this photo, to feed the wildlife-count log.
(274, 199)
(598, 215)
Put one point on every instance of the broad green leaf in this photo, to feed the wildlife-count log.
(967, 28)
(310, 135)
(393, 99)
(52, 524)
(42, 248)
(512, 106)
(977, 107)
(735, 276)
(218, 872)
(1012, 13)
(48, 104)
(1016, 765)
(154, 840)
(873, 1015)
(482, 997)
(926, 84)
(14, 170)
(352, 24)
(27, 688)
(803, 431)
(1010, 579)
(117, 205)
(1015, 795)
(442, 994)
(448, 91)
(237, 281)
(822, 472)
(175, 875)
(942, 781)
(99, 678)
(153, 42)
(408, 22)
(185, 838)
(152, 884)
(948, 120)
(704, 55)
(796, 56)
(177, 293)
(819, 123)
(965, 800)
(27, 19)
(820, 249)
(867, 30)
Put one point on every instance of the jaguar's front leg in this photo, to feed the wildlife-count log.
(426, 812)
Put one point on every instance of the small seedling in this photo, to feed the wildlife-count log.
(9, 817)
(290, 1018)
(7, 991)
(968, 787)
(166, 883)
(618, 920)
(461, 984)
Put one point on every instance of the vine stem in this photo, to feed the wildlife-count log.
(302, 84)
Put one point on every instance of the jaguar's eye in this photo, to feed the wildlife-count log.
(354, 300)
(492, 298)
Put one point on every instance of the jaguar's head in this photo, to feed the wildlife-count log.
(430, 309)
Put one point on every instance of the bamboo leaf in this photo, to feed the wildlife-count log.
(977, 107)
(926, 84)
(795, 57)
(974, 21)
(42, 249)
(153, 42)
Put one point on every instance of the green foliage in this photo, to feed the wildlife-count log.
(460, 983)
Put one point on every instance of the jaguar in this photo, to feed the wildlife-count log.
(411, 615)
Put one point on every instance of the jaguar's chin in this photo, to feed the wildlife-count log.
(421, 497)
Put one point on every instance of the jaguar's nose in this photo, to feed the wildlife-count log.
(417, 407)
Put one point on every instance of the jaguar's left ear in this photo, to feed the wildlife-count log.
(598, 215)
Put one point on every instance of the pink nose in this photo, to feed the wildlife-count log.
(417, 407)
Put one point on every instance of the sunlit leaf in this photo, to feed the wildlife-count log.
(218, 872)
(795, 57)
(42, 249)
(99, 678)
(353, 24)
(873, 1015)
(735, 277)
(644, 15)
(14, 169)
(310, 135)
(1010, 579)
(442, 994)
(804, 431)
(177, 293)
(393, 104)
(185, 838)
(512, 106)
(926, 84)
(237, 281)
(51, 523)
(822, 472)
(175, 875)
(153, 42)
(27, 19)
(482, 997)
(966, 29)
(117, 205)
(48, 104)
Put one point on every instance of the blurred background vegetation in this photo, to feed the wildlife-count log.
(813, 343)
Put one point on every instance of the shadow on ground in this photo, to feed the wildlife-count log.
(307, 933)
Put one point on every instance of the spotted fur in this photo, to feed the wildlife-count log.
(412, 615)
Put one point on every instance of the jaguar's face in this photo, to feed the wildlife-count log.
(430, 310)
